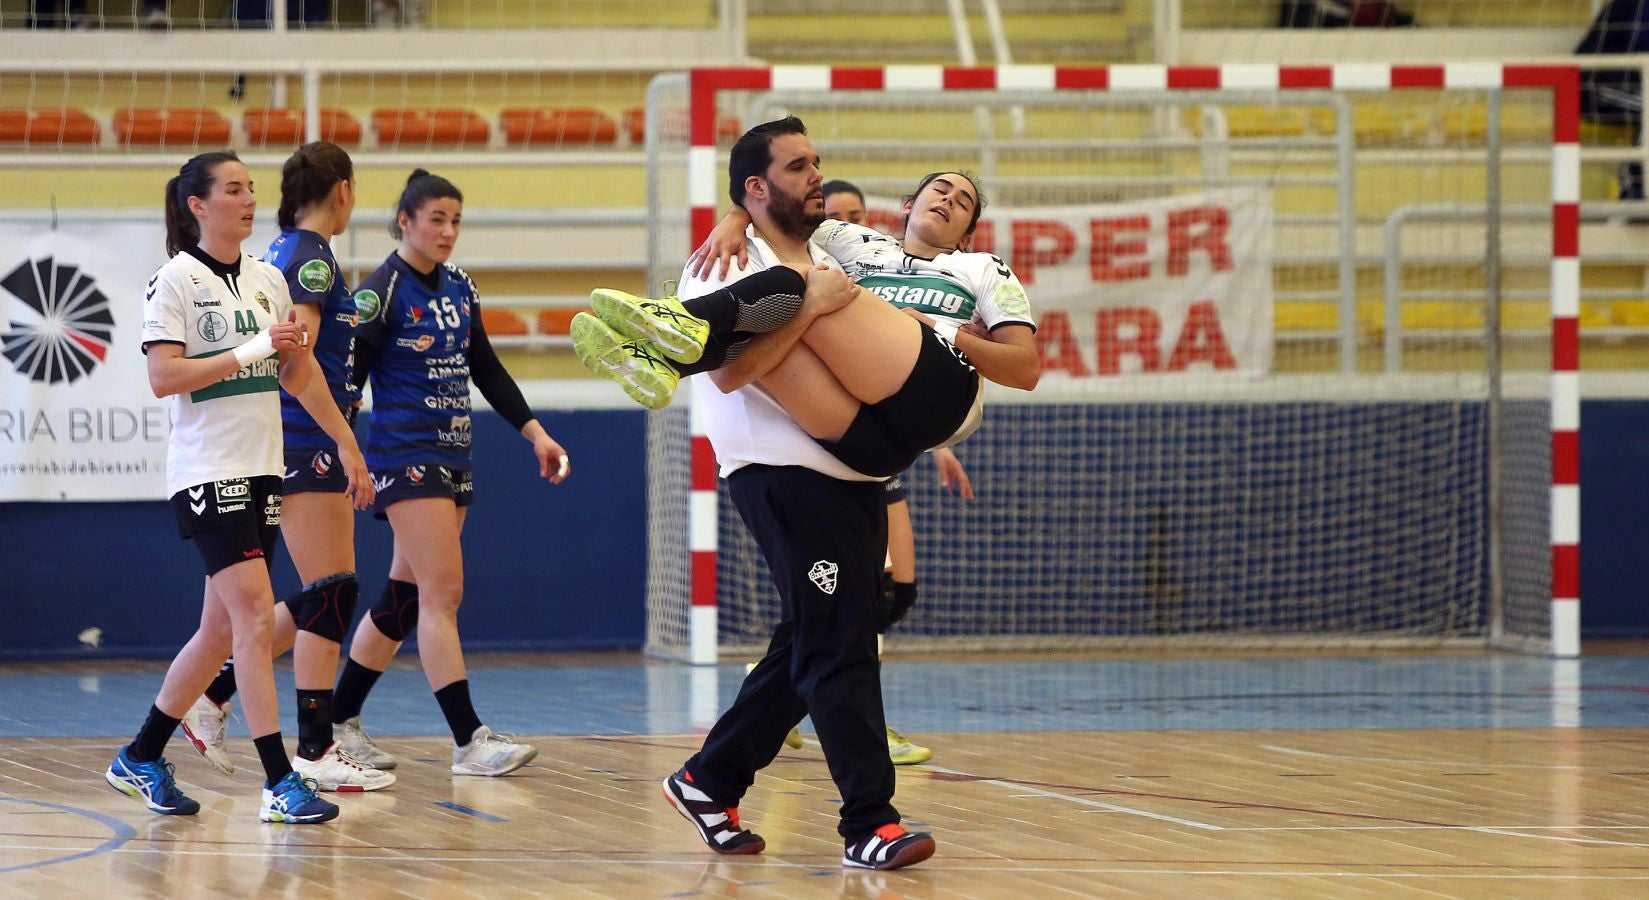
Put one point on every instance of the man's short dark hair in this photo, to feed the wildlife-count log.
(842, 187)
(754, 153)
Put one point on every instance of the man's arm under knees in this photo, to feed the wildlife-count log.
(825, 294)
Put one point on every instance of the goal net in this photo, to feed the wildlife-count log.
(1297, 329)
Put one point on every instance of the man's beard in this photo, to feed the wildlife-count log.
(791, 218)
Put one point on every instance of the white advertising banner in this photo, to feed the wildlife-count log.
(77, 418)
(1159, 286)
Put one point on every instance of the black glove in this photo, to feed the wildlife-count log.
(896, 600)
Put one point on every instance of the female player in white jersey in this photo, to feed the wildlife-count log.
(317, 200)
(423, 347)
(222, 340)
(862, 379)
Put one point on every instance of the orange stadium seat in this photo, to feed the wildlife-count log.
(177, 126)
(557, 126)
(48, 126)
(282, 127)
(728, 128)
(502, 322)
(557, 321)
(414, 125)
(635, 125)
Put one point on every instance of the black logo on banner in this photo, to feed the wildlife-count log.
(68, 334)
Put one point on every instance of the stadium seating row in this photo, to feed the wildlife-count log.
(1382, 123)
(1296, 316)
(391, 126)
(505, 322)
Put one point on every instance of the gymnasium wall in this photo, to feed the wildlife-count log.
(546, 567)
(560, 568)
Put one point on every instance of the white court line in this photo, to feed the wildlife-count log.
(1485, 829)
(1435, 827)
(1522, 831)
(1513, 831)
(1425, 762)
(1011, 785)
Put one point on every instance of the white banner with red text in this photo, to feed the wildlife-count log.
(1168, 285)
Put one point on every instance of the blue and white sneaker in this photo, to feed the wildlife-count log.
(293, 799)
(150, 782)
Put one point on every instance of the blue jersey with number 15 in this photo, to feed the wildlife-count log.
(421, 373)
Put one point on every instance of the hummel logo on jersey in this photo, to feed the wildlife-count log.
(823, 574)
(197, 497)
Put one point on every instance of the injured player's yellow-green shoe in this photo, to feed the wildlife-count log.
(664, 322)
(903, 752)
(637, 366)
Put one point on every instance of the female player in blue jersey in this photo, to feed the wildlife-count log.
(221, 340)
(422, 347)
(317, 199)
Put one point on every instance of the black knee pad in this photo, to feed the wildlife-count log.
(396, 612)
(326, 607)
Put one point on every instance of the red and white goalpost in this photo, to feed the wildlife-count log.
(711, 94)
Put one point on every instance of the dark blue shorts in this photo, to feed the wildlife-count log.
(415, 482)
(314, 472)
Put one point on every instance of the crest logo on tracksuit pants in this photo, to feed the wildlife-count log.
(823, 574)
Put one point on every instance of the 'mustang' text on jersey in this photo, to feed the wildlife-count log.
(231, 428)
(312, 276)
(952, 288)
(421, 375)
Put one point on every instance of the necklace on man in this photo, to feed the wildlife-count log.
(780, 254)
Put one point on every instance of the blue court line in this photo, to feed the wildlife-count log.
(458, 807)
(122, 834)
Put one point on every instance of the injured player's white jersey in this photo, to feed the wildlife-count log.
(952, 288)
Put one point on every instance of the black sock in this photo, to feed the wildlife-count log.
(151, 739)
(314, 723)
(719, 350)
(223, 686)
(353, 686)
(272, 752)
(460, 712)
(755, 303)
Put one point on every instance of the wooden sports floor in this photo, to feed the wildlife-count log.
(1387, 776)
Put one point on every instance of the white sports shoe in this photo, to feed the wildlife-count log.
(353, 740)
(491, 754)
(338, 771)
(206, 725)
